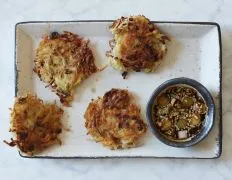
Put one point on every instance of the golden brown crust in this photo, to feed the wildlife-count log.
(63, 61)
(116, 99)
(114, 120)
(35, 124)
(138, 45)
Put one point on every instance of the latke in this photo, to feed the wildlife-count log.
(137, 45)
(114, 120)
(36, 125)
(63, 61)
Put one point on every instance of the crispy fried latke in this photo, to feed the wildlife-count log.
(138, 45)
(63, 61)
(114, 120)
(36, 125)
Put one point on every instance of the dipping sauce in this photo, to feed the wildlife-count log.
(179, 112)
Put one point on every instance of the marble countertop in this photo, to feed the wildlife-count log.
(12, 166)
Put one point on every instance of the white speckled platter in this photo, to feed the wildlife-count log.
(195, 52)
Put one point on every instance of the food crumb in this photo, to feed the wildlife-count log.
(124, 74)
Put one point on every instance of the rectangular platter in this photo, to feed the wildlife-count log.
(194, 52)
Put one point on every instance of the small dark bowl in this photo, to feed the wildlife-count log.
(209, 119)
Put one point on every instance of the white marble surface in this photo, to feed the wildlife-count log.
(14, 167)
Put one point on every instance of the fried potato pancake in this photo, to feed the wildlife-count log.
(63, 61)
(114, 120)
(138, 45)
(36, 125)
